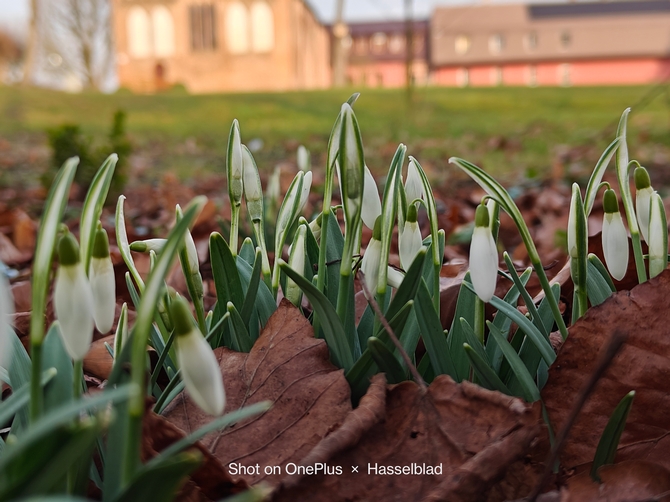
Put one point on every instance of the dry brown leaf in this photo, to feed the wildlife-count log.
(208, 482)
(289, 367)
(473, 433)
(643, 365)
(629, 481)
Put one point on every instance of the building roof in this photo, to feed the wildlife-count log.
(495, 34)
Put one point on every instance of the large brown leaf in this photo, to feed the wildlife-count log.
(643, 365)
(289, 367)
(472, 433)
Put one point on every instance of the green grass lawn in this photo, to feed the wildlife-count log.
(510, 131)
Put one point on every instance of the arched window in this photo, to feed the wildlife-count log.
(138, 27)
(163, 31)
(262, 27)
(237, 32)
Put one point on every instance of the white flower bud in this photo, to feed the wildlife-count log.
(394, 277)
(409, 240)
(614, 237)
(413, 185)
(306, 186)
(199, 367)
(372, 206)
(372, 258)
(483, 257)
(235, 166)
(103, 284)
(297, 262)
(303, 159)
(73, 300)
(658, 237)
(643, 193)
(148, 245)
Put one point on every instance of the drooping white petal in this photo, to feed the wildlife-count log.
(409, 243)
(251, 180)
(394, 277)
(370, 264)
(372, 206)
(73, 305)
(615, 245)
(200, 372)
(658, 237)
(148, 245)
(6, 309)
(483, 263)
(103, 287)
(413, 185)
(642, 207)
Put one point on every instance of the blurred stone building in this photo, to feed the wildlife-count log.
(581, 43)
(220, 45)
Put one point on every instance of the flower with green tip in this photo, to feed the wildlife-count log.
(73, 299)
(372, 205)
(483, 256)
(409, 239)
(6, 309)
(253, 190)
(148, 245)
(643, 193)
(614, 237)
(658, 236)
(199, 367)
(103, 283)
(235, 166)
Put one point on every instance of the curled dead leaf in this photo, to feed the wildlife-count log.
(470, 433)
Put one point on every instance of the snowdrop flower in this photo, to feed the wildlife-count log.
(296, 261)
(103, 283)
(615, 237)
(315, 227)
(199, 367)
(274, 187)
(413, 185)
(6, 309)
(572, 226)
(643, 193)
(253, 190)
(658, 236)
(303, 159)
(409, 240)
(372, 258)
(372, 206)
(235, 166)
(306, 186)
(73, 299)
(394, 277)
(148, 245)
(483, 256)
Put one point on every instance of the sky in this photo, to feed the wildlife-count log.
(14, 14)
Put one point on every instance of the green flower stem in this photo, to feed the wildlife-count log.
(234, 227)
(479, 319)
(260, 236)
(36, 396)
(623, 171)
(500, 195)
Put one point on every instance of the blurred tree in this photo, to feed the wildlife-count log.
(82, 32)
